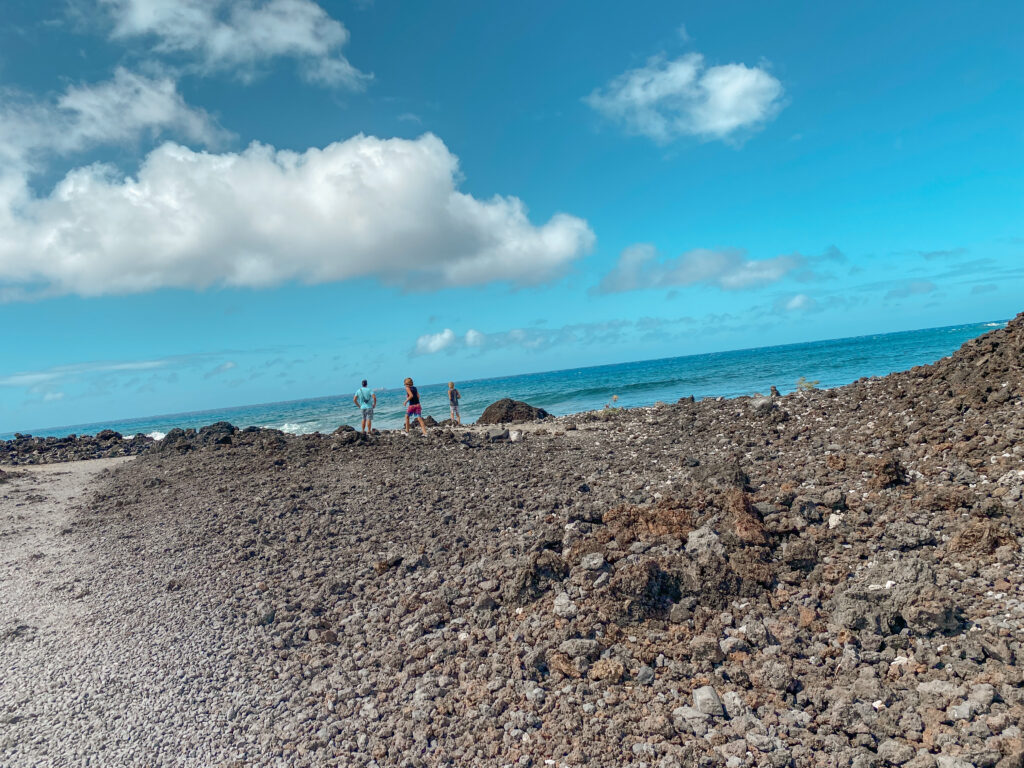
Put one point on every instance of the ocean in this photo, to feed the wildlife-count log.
(831, 363)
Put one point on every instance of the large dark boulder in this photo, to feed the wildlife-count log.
(509, 411)
(219, 433)
(177, 440)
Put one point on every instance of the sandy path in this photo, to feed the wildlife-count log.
(38, 563)
(100, 664)
(44, 571)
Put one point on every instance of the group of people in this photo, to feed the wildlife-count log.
(366, 399)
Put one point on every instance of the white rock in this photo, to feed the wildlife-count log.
(592, 561)
(564, 606)
(705, 700)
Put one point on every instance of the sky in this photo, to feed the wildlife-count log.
(209, 203)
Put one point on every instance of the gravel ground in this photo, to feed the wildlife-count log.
(827, 578)
(103, 663)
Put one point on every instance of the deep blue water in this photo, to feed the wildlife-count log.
(740, 372)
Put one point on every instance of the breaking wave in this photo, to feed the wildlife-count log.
(299, 429)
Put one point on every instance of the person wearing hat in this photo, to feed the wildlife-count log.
(413, 407)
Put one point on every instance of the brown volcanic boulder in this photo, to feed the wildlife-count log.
(509, 411)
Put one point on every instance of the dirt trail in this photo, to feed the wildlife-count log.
(40, 564)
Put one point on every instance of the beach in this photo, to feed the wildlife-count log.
(829, 577)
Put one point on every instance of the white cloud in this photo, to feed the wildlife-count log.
(28, 379)
(74, 370)
(116, 111)
(911, 288)
(431, 343)
(801, 302)
(576, 334)
(364, 207)
(950, 254)
(665, 100)
(222, 368)
(640, 267)
(240, 34)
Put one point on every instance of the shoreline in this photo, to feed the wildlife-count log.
(242, 415)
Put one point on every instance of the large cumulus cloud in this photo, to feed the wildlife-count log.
(365, 207)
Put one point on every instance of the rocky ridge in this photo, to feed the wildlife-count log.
(826, 578)
(26, 449)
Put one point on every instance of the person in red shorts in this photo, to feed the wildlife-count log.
(413, 407)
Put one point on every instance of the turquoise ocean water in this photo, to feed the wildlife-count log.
(741, 372)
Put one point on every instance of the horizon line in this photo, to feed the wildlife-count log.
(201, 411)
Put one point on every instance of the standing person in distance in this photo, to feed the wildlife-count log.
(367, 401)
(453, 403)
(413, 407)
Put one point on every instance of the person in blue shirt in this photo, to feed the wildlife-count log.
(367, 401)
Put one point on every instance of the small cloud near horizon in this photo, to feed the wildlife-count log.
(911, 288)
(222, 368)
(801, 302)
(432, 343)
(952, 253)
(641, 267)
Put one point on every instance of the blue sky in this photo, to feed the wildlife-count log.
(207, 203)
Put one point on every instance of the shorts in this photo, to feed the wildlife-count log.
(414, 410)
(454, 410)
(368, 413)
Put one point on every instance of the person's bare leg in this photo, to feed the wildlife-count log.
(407, 423)
(423, 425)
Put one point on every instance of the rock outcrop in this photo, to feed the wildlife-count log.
(26, 449)
(508, 411)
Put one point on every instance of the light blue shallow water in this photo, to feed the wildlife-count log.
(729, 374)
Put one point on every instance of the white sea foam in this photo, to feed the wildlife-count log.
(157, 435)
(299, 429)
(995, 325)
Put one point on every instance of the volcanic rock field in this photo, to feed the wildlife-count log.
(830, 578)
